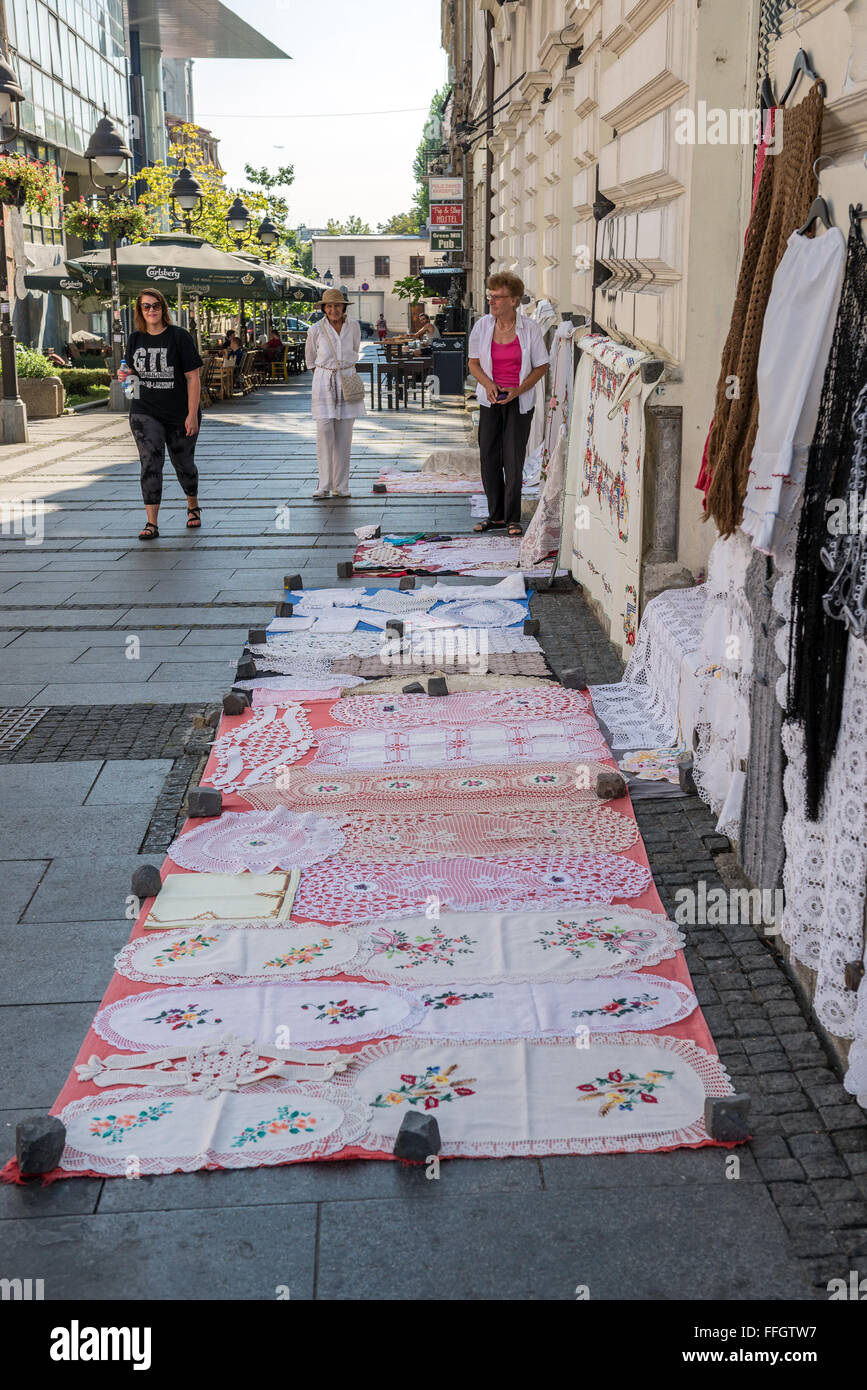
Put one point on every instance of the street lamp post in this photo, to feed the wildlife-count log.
(187, 194)
(267, 234)
(108, 151)
(238, 225)
(13, 411)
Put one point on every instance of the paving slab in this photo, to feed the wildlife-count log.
(48, 962)
(83, 887)
(21, 878)
(47, 784)
(691, 1242)
(64, 829)
(38, 1045)
(207, 1255)
(129, 783)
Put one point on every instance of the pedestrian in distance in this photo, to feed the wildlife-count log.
(162, 363)
(332, 347)
(382, 328)
(507, 356)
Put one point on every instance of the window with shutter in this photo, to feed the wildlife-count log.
(415, 264)
(382, 267)
(347, 267)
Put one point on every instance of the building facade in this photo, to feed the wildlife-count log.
(611, 103)
(374, 262)
(77, 60)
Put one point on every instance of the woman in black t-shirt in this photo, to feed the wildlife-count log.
(163, 363)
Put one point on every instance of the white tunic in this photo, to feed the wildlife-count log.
(325, 350)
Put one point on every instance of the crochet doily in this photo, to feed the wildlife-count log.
(642, 710)
(338, 892)
(497, 612)
(491, 834)
(536, 740)
(330, 790)
(260, 745)
(404, 711)
(258, 842)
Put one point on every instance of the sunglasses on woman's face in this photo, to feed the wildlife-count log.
(150, 307)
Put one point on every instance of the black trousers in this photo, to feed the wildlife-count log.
(152, 439)
(503, 435)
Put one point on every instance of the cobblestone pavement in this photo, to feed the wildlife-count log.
(98, 786)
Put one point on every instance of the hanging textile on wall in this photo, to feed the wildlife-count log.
(845, 554)
(559, 400)
(604, 480)
(542, 536)
(643, 709)
(818, 642)
(825, 875)
(723, 725)
(796, 340)
(760, 840)
(786, 190)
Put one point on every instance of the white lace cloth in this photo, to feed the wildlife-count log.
(228, 954)
(262, 744)
(642, 711)
(469, 707)
(573, 943)
(631, 1002)
(257, 842)
(262, 1124)
(623, 1092)
(496, 612)
(825, 871)
(354, 893)
(306, 1013)
(536, 740)
(723, 722)
(542, 536)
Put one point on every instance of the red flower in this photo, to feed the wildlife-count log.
(426, 946)
(588, 1086)
(615, 1076)
(631, 639)
(648, 1099)
(452, 999)
(611, 1008)
(410, 1080)
(431, 1103)
(464, 1091)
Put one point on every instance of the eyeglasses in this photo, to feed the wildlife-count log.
(150, 307)
(493, 297)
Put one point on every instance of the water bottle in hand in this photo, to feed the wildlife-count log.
(129, 381)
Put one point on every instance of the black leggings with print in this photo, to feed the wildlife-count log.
(152, 439)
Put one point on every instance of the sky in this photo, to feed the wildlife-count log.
(349, 57)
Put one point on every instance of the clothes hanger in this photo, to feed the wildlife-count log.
(802, 65)
(818, 208)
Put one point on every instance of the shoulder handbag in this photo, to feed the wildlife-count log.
(350, 383)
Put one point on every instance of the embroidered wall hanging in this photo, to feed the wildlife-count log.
(229, 955)
(194, 900)
(575, 943)
(257, 841)
(626, 1092)
(604, 479)
(338, 892)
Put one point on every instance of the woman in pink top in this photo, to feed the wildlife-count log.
(507, 356)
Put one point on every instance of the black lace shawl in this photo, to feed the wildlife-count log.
(818, 643)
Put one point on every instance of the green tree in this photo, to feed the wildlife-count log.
(353, 226)
(401, 223)
(431, 141)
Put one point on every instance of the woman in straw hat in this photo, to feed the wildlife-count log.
(333, 345)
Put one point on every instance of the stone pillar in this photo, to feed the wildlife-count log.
(662, 455)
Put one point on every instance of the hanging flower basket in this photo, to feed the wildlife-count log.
(29, 183)
(92, 221)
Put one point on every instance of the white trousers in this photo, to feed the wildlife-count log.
(333, 446)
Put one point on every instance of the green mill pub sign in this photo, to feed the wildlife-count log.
(446, 221)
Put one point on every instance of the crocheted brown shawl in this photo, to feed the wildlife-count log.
(787, 188)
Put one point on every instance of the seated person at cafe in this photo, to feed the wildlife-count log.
(274, 346)
(425, 330)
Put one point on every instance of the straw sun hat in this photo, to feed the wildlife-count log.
(331, 297)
